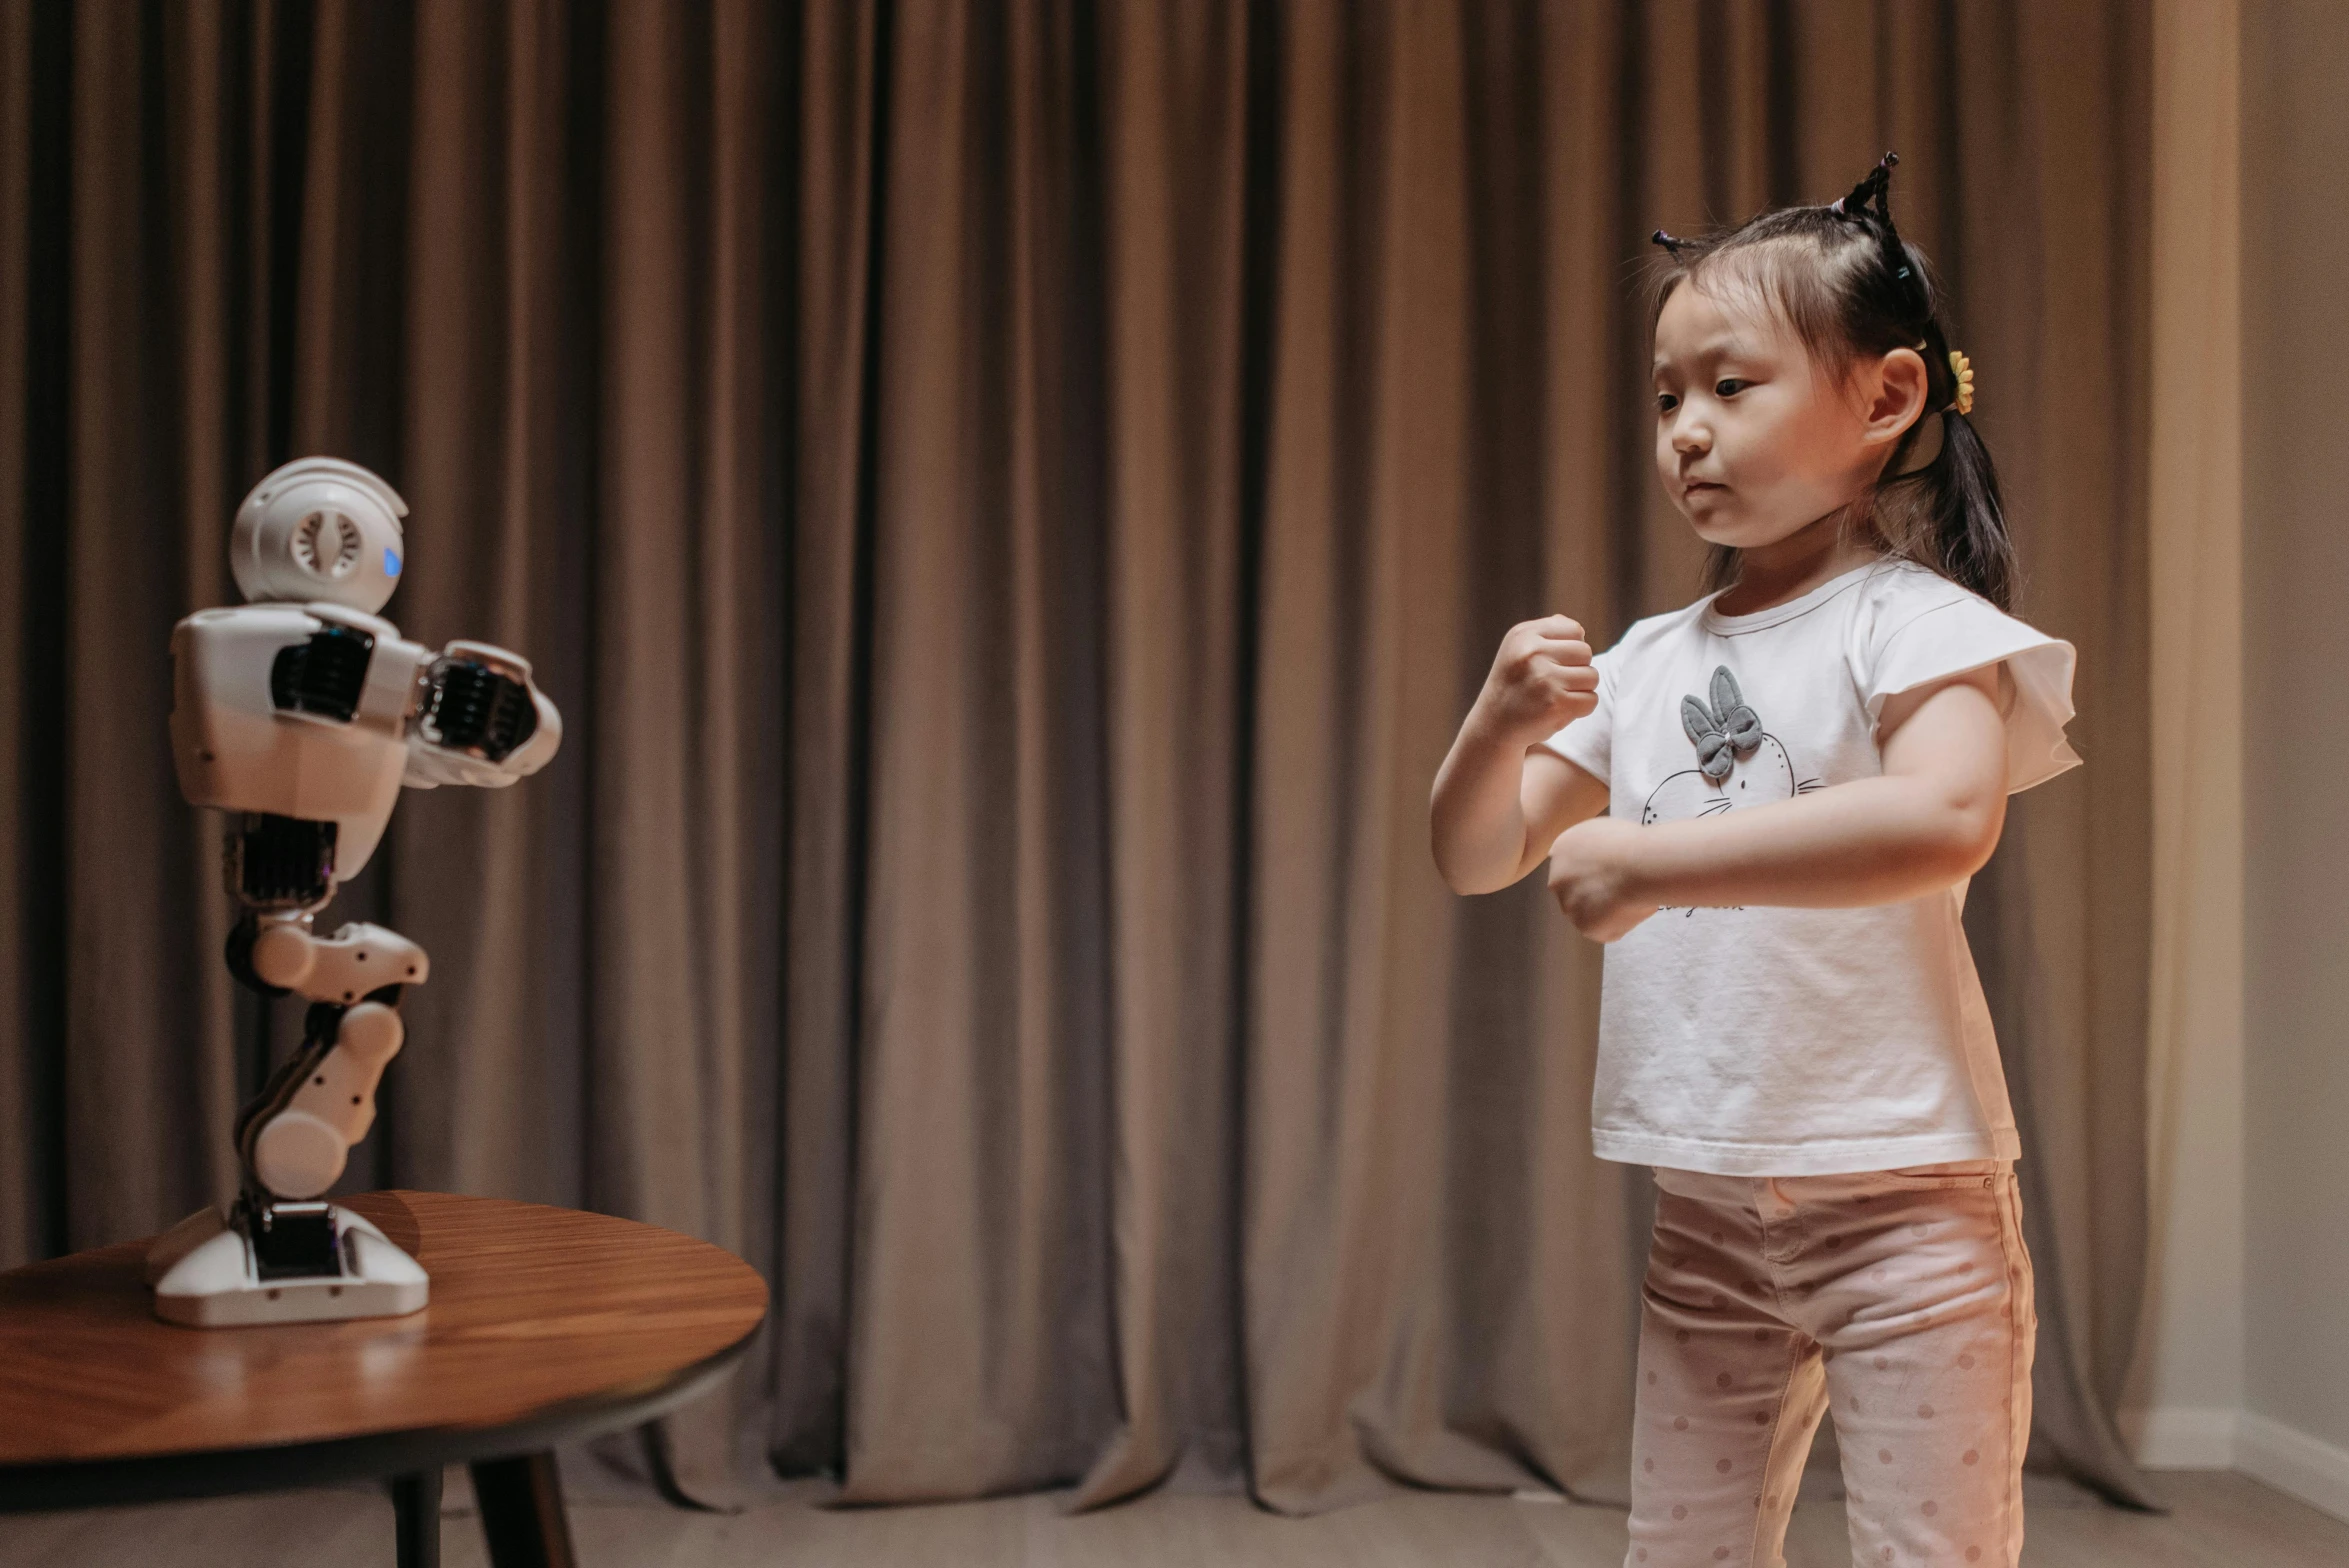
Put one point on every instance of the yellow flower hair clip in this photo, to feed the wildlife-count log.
(1964, 369)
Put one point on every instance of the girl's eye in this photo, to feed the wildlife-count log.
(1730, 387)
(1666, 402)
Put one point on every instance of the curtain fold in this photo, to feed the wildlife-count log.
(1012, 502)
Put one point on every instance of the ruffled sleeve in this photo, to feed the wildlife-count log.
(1964, 634)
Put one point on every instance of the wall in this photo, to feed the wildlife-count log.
(2245, 1354)
(2187, 1393)
(2296, 735)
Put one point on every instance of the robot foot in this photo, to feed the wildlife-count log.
(205, 1274)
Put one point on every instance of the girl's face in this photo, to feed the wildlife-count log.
(1754, 440)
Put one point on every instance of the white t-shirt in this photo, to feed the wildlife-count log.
(1795, 1042)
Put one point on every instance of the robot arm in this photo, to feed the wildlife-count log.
(480, 720)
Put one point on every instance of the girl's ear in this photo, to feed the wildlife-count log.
(1894, 394)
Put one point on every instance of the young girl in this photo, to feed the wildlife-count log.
(1770, 803)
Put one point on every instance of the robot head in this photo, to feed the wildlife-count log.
(319, 528)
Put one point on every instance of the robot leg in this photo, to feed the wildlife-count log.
(283, 1254)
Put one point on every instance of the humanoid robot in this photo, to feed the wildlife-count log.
(301, 714)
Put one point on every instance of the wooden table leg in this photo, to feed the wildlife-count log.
(522, 1512)
(416, 1518)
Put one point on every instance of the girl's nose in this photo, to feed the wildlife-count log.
(1690, 436)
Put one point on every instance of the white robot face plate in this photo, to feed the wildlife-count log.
(319, 529)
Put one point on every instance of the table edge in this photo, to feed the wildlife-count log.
(49, 1485)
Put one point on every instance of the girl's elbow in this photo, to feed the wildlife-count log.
(1460, 878)
(1969, 835)
(1466, 875)
(1467, 880)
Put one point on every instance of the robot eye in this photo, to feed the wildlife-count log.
(326, 544)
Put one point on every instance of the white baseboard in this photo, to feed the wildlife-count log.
(2184, 1438)
(2178, 1437)
(2290, 1460)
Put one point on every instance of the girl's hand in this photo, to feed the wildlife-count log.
(1592, 877)
(1541, 679)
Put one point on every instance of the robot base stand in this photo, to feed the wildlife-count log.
(205, 1274)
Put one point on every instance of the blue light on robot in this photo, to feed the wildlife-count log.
(391, 562)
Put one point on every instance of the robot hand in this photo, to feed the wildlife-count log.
(482, 721)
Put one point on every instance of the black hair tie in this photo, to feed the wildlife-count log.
(1873, 190)
(1869, 204)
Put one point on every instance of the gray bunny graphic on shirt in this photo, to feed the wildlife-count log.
(1738, 762)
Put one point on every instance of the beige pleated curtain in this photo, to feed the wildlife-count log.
(1012, 501)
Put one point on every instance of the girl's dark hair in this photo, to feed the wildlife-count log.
(1847, 284)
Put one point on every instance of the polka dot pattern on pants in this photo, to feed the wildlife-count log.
(1809, 1296)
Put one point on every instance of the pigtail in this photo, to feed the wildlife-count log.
(1968, 536)
(1964, 535)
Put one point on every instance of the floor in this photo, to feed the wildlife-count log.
(2219, 1521)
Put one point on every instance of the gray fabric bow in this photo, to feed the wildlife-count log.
(1722, 730)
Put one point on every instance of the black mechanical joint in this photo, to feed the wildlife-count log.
(325, 675)
(472, 707)
(294, 1241)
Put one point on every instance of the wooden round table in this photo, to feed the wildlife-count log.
(545, 1326)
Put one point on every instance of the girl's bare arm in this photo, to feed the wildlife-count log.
(1500, 799)
(1930, 820)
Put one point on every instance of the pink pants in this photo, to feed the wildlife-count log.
(1901, 1298)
